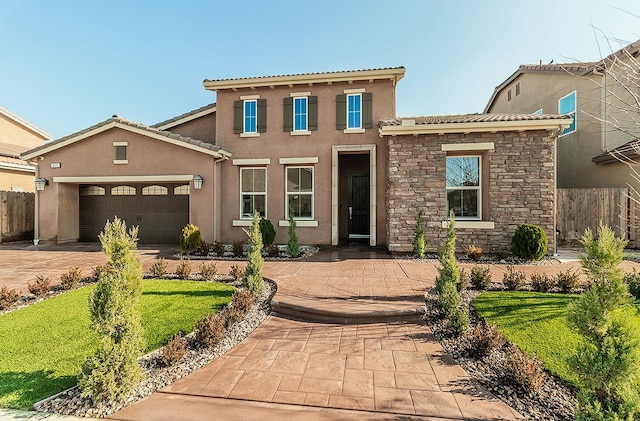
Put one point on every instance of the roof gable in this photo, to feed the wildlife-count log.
(131, 126)
(186, 117)
(24, 124)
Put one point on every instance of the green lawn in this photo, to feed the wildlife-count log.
(537, 323)
(43, 345)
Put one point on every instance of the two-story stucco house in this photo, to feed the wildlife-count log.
(326, 147)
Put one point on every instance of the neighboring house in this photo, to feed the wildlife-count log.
(325, 147)
(593, 94)
(17, 136)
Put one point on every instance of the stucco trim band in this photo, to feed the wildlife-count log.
(304, 160)
(474, 127)
(124, 179)
(299, 223)
(241, 222)
(488, 146)
(17, 167)
(472, 224)
(258, 161)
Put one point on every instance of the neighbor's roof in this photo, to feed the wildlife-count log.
(8, 114)
(11, 150)
(131, 126)
(392, 73)
(623, 153)
(16, 164)
(188, 116)
(463, 123)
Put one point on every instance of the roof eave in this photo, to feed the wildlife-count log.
(168, 124)
(474, 127)
(39, 132)
(392, 74)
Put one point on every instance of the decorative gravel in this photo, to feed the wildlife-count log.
(305, 252)
(554, 402)
(70, 402)
(488, 259)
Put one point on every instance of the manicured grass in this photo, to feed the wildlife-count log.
(42, 346)
(537, 323)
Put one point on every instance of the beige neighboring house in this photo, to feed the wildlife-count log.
(593, 97)
(17, 136)
(326, 147)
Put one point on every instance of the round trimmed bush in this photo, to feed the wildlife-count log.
(529, 242)
(190, 239)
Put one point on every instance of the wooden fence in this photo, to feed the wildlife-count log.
(17, 215)
(582, 208)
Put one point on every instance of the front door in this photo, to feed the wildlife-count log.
(358, 186)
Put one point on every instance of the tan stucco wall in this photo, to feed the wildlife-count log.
(202, 128)
(10, 178)
(276, 143)
(16, 134)
(93, 157)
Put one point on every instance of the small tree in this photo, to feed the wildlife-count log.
(449, 271)
(607, 363)
(419, 241)
(253, 273)
(113, 370)
(293, 249)
(268, 232)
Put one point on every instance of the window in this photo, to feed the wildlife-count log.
(567, 106)
(250, 116)
(155, 191)
(517, 88)
(253, 192)
(539, 112)
(123, 191)
(300, 114)
(354, 111)
(463, 186)
(299, 189)
(509, 95)
(181, 190)
(92, 191)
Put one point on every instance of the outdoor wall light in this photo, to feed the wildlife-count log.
(197, 182)
(40, 183)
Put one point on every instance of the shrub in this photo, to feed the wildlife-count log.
(208, 271)
(541, 282)
(231, 315)
(632, 279)
(480, 277)
(448, 298)
(174, 350)
(203, 249)
(485, 339)
(218, 248)
(71, 278)
(568, 280)
(8, 297)
(41, 286)
(190, 239)
(419, 239)
(159, 268)
(502, 254)
(183, 270)
(273, 251)
(449, 270)
(459, 319)
(113, 370)
(267, 231)
(528, 372)
(101, 270)
(253, 272)
(463, 285)
(293, 249)
(513, 279)
(210, 329)
(237, 272)
(473, 252)
(238, 248)
(242, 299)
(529, 242)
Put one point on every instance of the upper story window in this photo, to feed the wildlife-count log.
(121, 152)
(253, 192)
(354, 111)
(567, 106)
(509, 95)
(299, 190)
(250, 116)
(464, 192)
(300, 114)
(517, 88)
(539, 112)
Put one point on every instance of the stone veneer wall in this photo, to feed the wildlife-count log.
(520, 187)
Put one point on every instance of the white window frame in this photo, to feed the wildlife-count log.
(244, 115)
(306, 114)
(242, 193)
(312, 193)
(478, 188)
(359, 95)
(574, 113)
(538, 112)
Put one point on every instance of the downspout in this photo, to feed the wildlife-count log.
(216, 197)
(554, 135)
(36, 222)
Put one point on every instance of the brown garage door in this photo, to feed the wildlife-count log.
(159, 210)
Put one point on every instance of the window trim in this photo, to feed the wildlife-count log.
(538, 112)
(478, 188)
(573, 113)
(244, 116)
(312, 193)
(306, 115)
(359, 127)
(266, 190)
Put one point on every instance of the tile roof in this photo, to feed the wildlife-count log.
(14, 163)
(623, 153)
(308, 74)
(571, 68)
(11, 150)
(124, 121)
(185, 115)
(472, 118)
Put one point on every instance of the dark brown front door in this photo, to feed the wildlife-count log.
(358, 185)
(159, 213)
